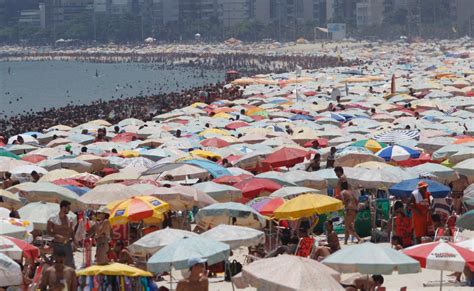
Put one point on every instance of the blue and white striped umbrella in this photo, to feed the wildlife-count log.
(398, 153)
(396, 136)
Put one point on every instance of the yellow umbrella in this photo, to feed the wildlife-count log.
(307, 205)
(214, 131)
(222, 115)
(129, 154)
(205, 154)
(146, 208)
(114, 269)
(253, 111)
(447, 163)
(198, 104)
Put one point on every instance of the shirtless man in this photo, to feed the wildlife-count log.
(59, 276)
(61, 227)
(332, 245)
(350, 213)
(197, 281)
(365, 283)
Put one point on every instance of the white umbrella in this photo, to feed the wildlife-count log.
(220, 192)
(465, 168)
(153, 242)
(45, 191)
(235, 236)
(105, 194)
(10, 272)
(291, 192)
(39, 212)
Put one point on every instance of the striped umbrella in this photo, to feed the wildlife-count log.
(370, 144)
(396, 136)
(398, 153)
(16, 248)
(146, 208)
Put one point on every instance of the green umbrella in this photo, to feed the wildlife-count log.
(5, 153)
(466, 220)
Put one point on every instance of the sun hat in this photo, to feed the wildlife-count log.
(103, 209)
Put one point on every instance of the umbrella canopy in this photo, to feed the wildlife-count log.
(105, 194)
(224, 213)
(16, 248)
(307, 205)
(146, 208)
(153, 242)
(289, 273)
(177, 254)
(220, 192)
(466, 221)
(370, 144)
(291, 192)
(16, 228)
(10, 272)
(39, 213)
(441, 255)
(465, 167)
(114, 269)
(57, 174)
(286, 157)
(369, 258)
(396, 136)
(467, 244)
(9, 200)
(45, 191)
(406, 187)
(254, 187)
(398, 153)
(235, 236)
(266, 205)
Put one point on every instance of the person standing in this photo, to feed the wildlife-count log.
(197, 280)
(61, 227)
(59, 276)
(419, 204)
(331, 159)
(102, 236)
(350, 212)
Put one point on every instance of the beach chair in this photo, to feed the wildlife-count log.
(305, 247)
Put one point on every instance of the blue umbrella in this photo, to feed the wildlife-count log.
(398, 153)
(177, 254)
(406, 187)
(301, 117)
(214, 169)
(78, 190)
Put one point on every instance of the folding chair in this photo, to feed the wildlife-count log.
(305, 247)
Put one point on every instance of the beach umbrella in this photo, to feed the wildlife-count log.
(286, 157)
(467, 244)
(443, 256)
(105, 194)
(17, 248)
(396, 136)
(179, 171)
(369, 258)
(277, 177)
(220, 192)
(113, 269)
(352, 156)
(377, 178)
(178, 200)
(9, 200)
(254, 187)
(225, 213)
(204, 154)
(69, 163)
(266, 205)
(374, 165)
(200, 198)
(57, 174)
(28, 139)
(235, 236)
(177, 254)
(38, 213)
(468, 196)
(147, 208)
(442, 172)
(123, 175)
(17, 228)
(7, 164)
(291, 192)
(462, 155)
(466, 167)
(151, 243)
(466, 221)
(307, 205)
(45, 191)
(4, 212)
(27, 169)
(86, 179)
(406, 187)
(231, 179)
(307, 179)
(10, 272)
(288, 273)
(214, 142)
(370, 144)
(21, 148)
(398, 153)
(34, 159)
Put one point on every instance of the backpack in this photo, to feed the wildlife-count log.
(233, 269)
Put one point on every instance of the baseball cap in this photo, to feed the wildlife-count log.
(422, 184)
(195, 261)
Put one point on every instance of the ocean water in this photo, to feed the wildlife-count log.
(32, 86)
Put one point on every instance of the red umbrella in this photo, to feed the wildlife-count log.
(266, 205)
(125, 137)
(86, 179)
(323, 142)
(231, 180)
(68, 182)
(34, 158)
(15, 248)
(422, 159)
(236, 124)
(254, 187)
(215, 142)
(286, 157)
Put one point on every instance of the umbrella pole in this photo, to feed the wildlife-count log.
(441, 281)
(171, 280)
